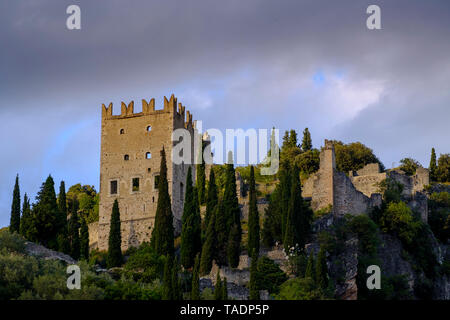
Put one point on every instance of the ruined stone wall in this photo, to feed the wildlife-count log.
(323, 190)
(93, 235)
(128, 135)
(348, 200)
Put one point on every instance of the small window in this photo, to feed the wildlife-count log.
(149, 170)
(148, 155)
(126, 157)
(135, 184)
(122, 131)
(153, 199)
(113, 187)
(156, 181)
(149, 128)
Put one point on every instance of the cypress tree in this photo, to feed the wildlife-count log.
(114, 258)
(167, 290)
(230, 200)
(253, 285)
(293, 138)
(321, 270)
(224, 289)
(234, 246)
(253, 216)
(310, 272)
(62, 237)
(162, 235)
(306, 142)
(187, 232)
(432, 168)
(26, 220)
(45, 214)
(285, 194)
(209, 247)
(271, 231)
(84, 240)
(218, 291)
(201, 182)
(221, 234)
(195, 293)
(14, 225)
(211, 200)
(74, 235)
(176, 286)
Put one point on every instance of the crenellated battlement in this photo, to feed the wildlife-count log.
(148, 108)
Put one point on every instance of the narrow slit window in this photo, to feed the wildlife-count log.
(156, 182)
(113, 187)
(148, 155)
(126, 157)
(135, 184)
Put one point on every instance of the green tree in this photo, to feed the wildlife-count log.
(308, 162)
(221, 234)
(409, 166)
(45, 214)
(201, 182)
(224, 289)
(14, 225)
(322, 270)
(211, 200)
(84, 240)
(398, 219)
(74, 236)
(209, 247)
(62, 239)
(253, 217)
(271, 230)
(176, 286)
(195, 292)
(114, 258)
(218, 291)
(269, 276)
(309, 273)
(306, 142)
(162, 235)
(253, 285)
(443, 168)
(230, 200)
(26, 222)
(285, 185)
(168, 293)
(433, 167)
(191, 225)
(353, 156)
(234, 246)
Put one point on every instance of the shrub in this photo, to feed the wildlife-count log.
(398, 219)
(11, 242)
(269, 275)
(299, 289)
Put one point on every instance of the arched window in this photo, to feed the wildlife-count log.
(148, 155)
(122, 131)
(149, 128)
(126, 157)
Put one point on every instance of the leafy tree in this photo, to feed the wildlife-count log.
(209, 247)
(191, 225)
(195, 293)
(322, 270)
(309, 273)
(114, 258)
(432, 167)
(253, 285)
(299, 289)
(26, 222)
(233, 247)
(443, 168)
(45, 213)
(289, 148)
(391, 190)
(353, 156)
(306, 142)
(211, 200)
(14, 225)
(398, 219)
(409, 166)
(269, 275)
(162, 235)
(308, 162)
(88, 201)
(218, 291)
(253, 217)
(439, 215)
(84, 240)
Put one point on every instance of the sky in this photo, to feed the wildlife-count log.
(234, 64)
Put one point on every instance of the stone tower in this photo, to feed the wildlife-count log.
(130, 163)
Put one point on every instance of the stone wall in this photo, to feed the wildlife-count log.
(93, 235)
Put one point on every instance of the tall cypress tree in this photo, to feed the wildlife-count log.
(253, 285)
(234, 246)
(14, 225)
(271, 231)
(218, 291)
(310, 271)
(253, 217)
(167, 290)
(162, 235)
(306, 142)
(187, 233)
(432, 168)
(45, 215)
(285, 194)
(293, 138)
(84, 240)
(322, 270)
(195, 292)
(224, 289)
(221, 234)
(62, 237)
(209, 247)
(25, 221)
(176, 285)
(211, 200)
(74, 235)
(201, 182)
(114, 258)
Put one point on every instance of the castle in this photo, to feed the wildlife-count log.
(129, 168)
(359, 191)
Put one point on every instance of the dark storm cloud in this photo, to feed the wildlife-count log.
(253, 63)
